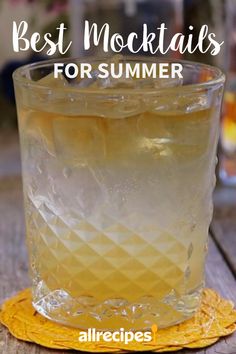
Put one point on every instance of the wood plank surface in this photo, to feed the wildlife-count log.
(13, 258)
(224, 224)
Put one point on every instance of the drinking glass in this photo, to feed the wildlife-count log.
(118, 177)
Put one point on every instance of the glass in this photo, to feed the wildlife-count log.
(118, 177)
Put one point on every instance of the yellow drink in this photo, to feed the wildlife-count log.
(118, 205)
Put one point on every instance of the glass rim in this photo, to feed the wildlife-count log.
(216, 81)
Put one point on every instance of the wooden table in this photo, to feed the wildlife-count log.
(220, 269)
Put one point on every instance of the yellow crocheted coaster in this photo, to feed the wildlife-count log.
(215, 318)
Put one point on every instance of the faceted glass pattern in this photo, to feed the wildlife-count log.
(118, 200)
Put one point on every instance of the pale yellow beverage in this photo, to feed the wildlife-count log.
(118, 184)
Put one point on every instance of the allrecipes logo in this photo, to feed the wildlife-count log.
(119, 336)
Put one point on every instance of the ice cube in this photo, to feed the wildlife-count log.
(43, 95)
(100, 105)
(94, 82)
(74, 100)
(50, 81)
(179, 102)
(37, 125)
(79, 140)
(151, 125)
(183, 121)
(122, 138)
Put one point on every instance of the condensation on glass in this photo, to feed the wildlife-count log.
(118, 178)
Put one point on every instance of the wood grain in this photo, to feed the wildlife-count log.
(224, 224)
